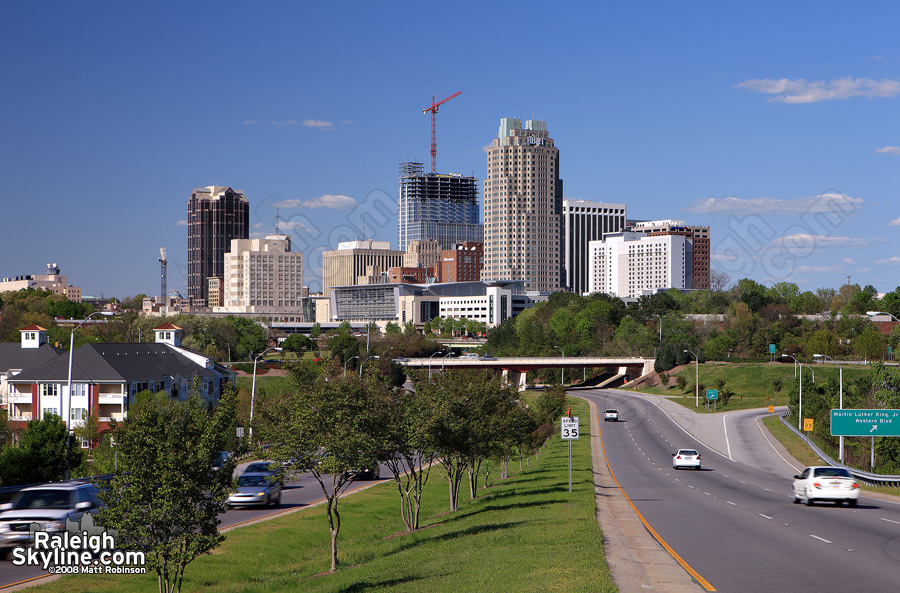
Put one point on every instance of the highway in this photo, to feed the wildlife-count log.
(733, 522)
(297, 493)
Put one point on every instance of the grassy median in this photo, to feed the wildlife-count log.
(524, 533)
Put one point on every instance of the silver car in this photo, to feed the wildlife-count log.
(48, 505)
(256, 489)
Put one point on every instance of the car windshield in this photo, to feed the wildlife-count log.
(252, 481)
(258, 467)
(43, 499)
(611, 412)
(687, 452)
(831, 472)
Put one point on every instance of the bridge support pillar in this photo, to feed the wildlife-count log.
(517, 378)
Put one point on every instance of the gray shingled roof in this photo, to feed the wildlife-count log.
(13, 356)
(118, 362)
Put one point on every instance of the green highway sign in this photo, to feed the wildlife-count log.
(712, 394)
(865, 423)
(771, 348)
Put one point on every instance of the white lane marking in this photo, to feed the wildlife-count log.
(727, 442)
(731, 503)
(768, 490)
(765, 517)
(821, 539)
(707, 493)
(763, 433)
(890, 521)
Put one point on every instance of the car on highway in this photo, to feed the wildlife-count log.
(820, 483)
(265, 467)
(686, 458)
(220, 458)
(48, 505)
(370, 472)
(255, 489)
(611, 415)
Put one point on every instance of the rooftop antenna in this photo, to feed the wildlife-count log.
(277, 219)
(163, 278)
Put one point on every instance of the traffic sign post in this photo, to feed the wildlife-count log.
(865, 423)
(712, 394)
(772, 351)
(569, 430)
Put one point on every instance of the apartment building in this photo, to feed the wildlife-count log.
(629, 264)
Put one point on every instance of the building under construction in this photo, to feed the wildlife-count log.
(437, 206)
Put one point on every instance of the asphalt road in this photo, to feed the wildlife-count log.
(733, 522)
(297, 493)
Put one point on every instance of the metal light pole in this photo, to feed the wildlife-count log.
(696, 381)
(346, 362)
(562, 370)
(444, 360)
(362, 364)
(800, 400)
(63, 412)
(429, 361)
(253, 385)
(840, 401)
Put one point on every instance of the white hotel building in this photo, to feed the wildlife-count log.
(629, 264)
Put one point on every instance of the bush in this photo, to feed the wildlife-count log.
(681, 382)
(664, 380)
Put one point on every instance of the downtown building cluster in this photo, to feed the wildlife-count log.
(531, 243)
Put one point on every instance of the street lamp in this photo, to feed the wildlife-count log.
(64, 413)
(444, 359)
(840, 400)
(660, 329)
(874, 313)
(429, 361)
(697, 382)
(346, 362)
(800, 400)
(362, 364)
(253, 385)
(562, 370)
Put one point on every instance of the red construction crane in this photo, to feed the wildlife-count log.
(434, 109)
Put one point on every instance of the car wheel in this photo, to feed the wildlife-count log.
(851, 503)
(277, 500)
(698, 468)
(838, 503)
(794, 498)
(809, 500)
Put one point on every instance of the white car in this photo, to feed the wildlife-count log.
(825, 483)
(686, 458)
(611, 415)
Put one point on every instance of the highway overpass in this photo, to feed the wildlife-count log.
(514, 368)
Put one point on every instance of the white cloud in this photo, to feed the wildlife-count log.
(848, 261)
(895, 222)
(487, 147)
(333, 202)
(284, 124)
(257, 225)
(181, 223)
(292, 225)
(317, 123)
(805, 240)
(891, 261)
(250, 122)
(827, 202)
(887, 150)
(801, 90)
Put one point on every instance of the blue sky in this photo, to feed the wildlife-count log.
(774, 123)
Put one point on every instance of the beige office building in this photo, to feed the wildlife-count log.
(52, 281)
(523, 207)
(358, 262)
(262, 276)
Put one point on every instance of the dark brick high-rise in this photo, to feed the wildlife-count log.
(216, 215)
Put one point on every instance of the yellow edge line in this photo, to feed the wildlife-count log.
(43, 576)
(703, 582)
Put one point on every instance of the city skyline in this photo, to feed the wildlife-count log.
(774, 125)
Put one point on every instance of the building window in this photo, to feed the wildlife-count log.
(50, 389)
(78, 414)
(50, 411)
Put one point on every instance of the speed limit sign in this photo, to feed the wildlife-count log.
(569, 427)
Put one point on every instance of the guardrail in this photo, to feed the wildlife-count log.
(866, 478)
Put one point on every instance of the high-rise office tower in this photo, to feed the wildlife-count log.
(437, 206)
(262, 275)
(584, 222)
(523, 207)
(216, 215)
